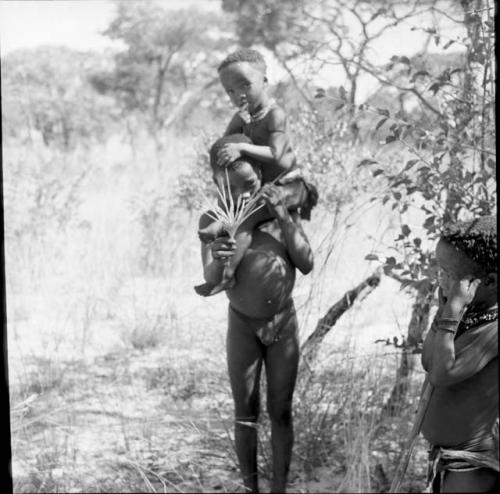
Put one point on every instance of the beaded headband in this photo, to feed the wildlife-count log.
(477, 239)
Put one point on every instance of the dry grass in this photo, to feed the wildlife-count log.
(118, 374)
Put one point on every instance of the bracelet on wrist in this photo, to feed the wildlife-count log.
(447, 325)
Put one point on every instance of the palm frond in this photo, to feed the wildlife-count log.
(230, 214)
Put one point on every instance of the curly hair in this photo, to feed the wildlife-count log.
(477, 239)
(232, 138)
(244, 55)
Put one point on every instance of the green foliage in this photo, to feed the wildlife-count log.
(46, 90)
(197, 182)
(324, 152)
(39, 201)
(451, 175)
(264, 21)
(168, 60)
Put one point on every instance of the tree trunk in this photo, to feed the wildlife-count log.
(419, 322)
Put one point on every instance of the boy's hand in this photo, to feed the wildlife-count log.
(460, 295)
(274, 200)
(229, 153)
(223, 249)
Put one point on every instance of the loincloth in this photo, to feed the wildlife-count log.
(443, 460)
(268, 330)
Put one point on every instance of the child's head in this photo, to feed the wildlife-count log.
(469, 249)
(244, 174)
(243, 75)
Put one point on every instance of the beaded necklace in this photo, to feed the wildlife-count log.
(248, 117)
(475, 318)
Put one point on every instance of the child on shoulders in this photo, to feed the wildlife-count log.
(263, 121)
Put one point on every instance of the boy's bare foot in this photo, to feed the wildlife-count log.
(207, 289)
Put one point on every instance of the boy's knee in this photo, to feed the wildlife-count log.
(280, 412)
(247, 410)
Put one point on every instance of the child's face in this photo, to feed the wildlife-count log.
(243, 181)
(453, 265)
(245, 84)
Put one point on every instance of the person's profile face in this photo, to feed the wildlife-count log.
(245, 85)
(453, 266)
(243, 181)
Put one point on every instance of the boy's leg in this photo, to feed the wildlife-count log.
(210, 232)
(244, 359)
(282, 358)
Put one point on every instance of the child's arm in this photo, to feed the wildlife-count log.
(445, 365)
(296, 241)
(278, 151)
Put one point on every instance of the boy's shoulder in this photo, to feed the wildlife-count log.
(276, 116)
(277, 110)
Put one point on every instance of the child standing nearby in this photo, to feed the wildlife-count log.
(460, 356)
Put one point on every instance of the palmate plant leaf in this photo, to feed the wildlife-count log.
(231, 215)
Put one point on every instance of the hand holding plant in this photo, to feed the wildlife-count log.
(229, 213)
(223, 249)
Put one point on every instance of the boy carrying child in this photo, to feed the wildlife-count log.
(262, 324)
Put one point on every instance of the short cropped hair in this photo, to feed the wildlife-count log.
(232, 138)
(244, 55)
(477, 239)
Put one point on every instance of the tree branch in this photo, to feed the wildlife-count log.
(310, 347)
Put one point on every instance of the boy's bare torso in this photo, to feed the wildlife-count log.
(265, 276)
(462, 415)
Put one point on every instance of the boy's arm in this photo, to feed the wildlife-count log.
(232, 151)
(263, 154)
(279, 141)
(444, 363)
(449, 366)
(296, 241)
(277, 152)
